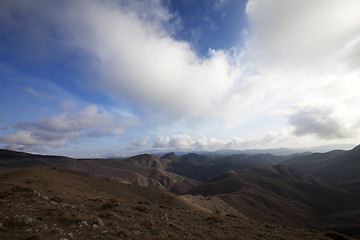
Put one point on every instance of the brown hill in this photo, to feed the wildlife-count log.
(171, 172)
(13, 160)
(203, 167)
(281, 195)
(339, 168)
(147, 160)
(42, 203)
(143, 170)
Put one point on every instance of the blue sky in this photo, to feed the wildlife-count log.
(99, 78)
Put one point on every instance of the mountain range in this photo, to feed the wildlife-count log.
(318, 191)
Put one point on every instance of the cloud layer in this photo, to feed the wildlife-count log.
(201, 143)
(324, 121)
(304, 34)
(295, 77)
(137, 58)
(306, 51)
(58, 131)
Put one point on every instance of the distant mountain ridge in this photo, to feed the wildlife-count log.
(272, 151)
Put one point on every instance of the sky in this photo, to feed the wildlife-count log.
(96, 78)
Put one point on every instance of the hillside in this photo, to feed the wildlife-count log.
(339, 168)
(42, 203)
(13, 160)
(143, 170)
(204, 167)
(171, 172)
(284, 196)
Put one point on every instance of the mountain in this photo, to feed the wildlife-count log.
(13, 160)
(310, 163)
(285, 151)
(339, 168)
(275, 151)
(149, 171)
(176, 173)
(171, 156)
(43, 203)
(143, 170)
(204, 167)
(147, 160)
(239, 189)
(285, 196)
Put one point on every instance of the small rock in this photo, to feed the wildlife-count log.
(84, 223)
(164, 217)
(29, 220)
(38, 227)
(100, 222)
(95, 226)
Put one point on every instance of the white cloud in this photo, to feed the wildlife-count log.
(138, 143)
(300, 46)
(306, 52)
(327, 120)
(303, 33)
(138, 59)
(187, 143)
(190, 143)
(59, 130)
(161, 142)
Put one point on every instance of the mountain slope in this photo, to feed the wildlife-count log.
(13, 160)
(205, 167)
(340, 168)
(312, 162)
(143, 170)
(281, 195)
